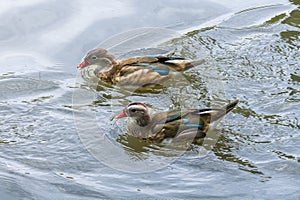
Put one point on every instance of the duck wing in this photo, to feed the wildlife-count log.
(179, 125)
(189, 125)
(174, 63)
(144, 71)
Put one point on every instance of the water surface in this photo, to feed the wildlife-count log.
(253, 48)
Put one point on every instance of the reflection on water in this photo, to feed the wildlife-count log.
(254, 51)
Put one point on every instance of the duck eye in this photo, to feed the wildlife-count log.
(133, 110)
(94, 57)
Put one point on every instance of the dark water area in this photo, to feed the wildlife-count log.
(51, 119)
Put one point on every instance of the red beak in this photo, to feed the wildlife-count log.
(83, 64)
(121, 115)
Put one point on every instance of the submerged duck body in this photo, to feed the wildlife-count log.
(190, 125)
(138, 71)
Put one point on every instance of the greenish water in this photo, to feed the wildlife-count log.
(254, 57)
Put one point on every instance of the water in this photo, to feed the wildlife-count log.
(253, 48)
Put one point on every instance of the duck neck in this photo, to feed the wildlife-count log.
(143, 121)
(107, 74)
(113, 68)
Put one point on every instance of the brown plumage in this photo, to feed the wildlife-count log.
(139, 71)
(190, 125)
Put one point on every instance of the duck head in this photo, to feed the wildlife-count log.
(99, 57)
(137, 111)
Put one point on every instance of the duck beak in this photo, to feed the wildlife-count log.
(121, 115)
(83, 64)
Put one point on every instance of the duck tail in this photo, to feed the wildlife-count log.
(188, 65)
(194, 64)
(230, 106)
(179, 64)
(216, 114)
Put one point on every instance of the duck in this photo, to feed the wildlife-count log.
(137, 71)
(175, 125)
